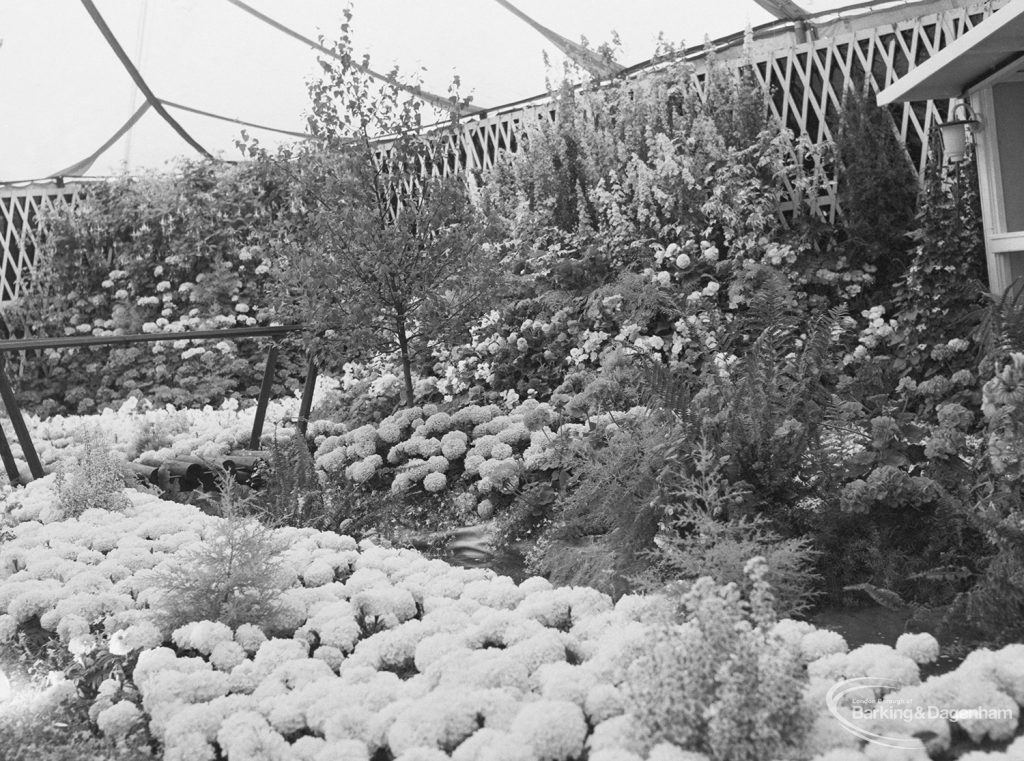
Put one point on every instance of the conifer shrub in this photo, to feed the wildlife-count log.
(235, 576)
(95, 478)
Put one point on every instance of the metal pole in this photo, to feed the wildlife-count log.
(18, 422)
(307, 394)
(8, 457)
(264, 398)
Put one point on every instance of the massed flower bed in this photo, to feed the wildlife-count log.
(380, 653)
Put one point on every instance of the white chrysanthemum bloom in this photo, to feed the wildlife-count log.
(920, 648)
(275, 652)
(438, 464)
(439, 422)
(881, 661)
(501, 451)
(309, 748)
(499, 592)
(434, 647)
(603, 701)
(555, 729)
(415, 470)
(514, 434)
(367, 572)
(454, 444)
(362, 471)
(250, 637)
(482, 445)
(119, 720)
(545, 646)
(616, 732)
(332, 461)
(68, 628)
(140, 636)
(202, 636)
(226, 655)
(332, 656)
(442, 719)
(821, 642)
(435, 482)
(828, 668)
(552, 607)
(244, 678)
(481, 669)
(564, 681)
(336, 625)
(247, 736)
(489, 744)
(318, 573)
(792, 632)
(472, 463)
(390, 430)
(502, 474)
(344, 749)
(388, 605)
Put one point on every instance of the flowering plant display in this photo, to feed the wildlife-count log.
(375, 648)
(170, 253)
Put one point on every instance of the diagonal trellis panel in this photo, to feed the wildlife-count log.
(805, 69)
(20, 232)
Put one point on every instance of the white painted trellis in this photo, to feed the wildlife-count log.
(21, 207)
(805, 68)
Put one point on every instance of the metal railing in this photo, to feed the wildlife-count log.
(38, 344)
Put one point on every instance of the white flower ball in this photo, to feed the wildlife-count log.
(682, 261)
(120, 719)
(555, 729)
(501, 451)
(435, 482)
(920, 648)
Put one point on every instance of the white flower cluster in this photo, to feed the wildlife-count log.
(389, 652)
(432, 448)
(208, 432)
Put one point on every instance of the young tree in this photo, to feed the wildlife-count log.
(381, 252)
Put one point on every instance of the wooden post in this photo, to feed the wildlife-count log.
(18, 422)
(307, 394)
(8, 457)
(264, 397)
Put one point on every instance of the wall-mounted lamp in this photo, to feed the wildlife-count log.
(954, 132)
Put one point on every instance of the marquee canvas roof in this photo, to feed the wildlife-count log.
(66, 93)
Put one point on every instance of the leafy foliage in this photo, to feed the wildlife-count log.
(700, 536)
(140, 254)
(715, 681)
(375, 257)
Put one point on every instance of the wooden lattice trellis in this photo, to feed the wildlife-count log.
(20, 210)
(804, 67)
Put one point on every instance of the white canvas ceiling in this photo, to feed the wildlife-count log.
(65, 93)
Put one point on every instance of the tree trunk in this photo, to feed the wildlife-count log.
(403, 348)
